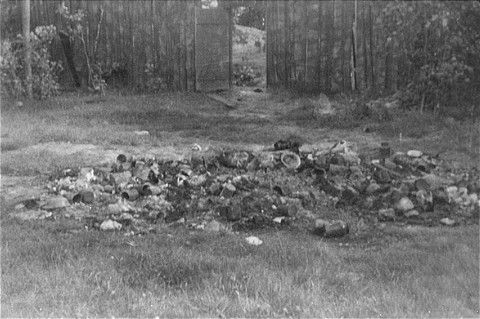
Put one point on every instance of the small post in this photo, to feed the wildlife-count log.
(384, 152)
(28, 49)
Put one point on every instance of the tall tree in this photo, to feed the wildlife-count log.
(28, 48)
(329, 43)
(370, 21)
(364, 45)
(343, 42)
(354, 49)
(286, 8)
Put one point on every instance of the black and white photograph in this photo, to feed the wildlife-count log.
(239, 159)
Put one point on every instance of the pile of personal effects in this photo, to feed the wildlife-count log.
(280, 187)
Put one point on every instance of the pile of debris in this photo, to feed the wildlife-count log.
(279, 187)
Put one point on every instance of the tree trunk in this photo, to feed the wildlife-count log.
(319, 68)
(68, 51)
(343, 43)
(329, 44)
(305, 42)
(370, 20)
(97, 36)
(28, 48)
(389, 65)
(286, 7)
(354, 49)
(364, 46)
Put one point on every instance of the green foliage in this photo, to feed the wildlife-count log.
(244, 76)
(251, 16)
(437, 45)
(154, 82)
(44, 71)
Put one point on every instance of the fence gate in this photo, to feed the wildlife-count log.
(212, 46)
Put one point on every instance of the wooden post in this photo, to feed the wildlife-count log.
(329, 43)
(354, 49)
(370, 20)
(305, 43)
(230, 46)
(364, 46)
(286, 11)
(28, 48)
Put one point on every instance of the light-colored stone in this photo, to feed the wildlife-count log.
(253, 240)
(118, 207)
(435, 181)
(87, 174)
(31, 214)
(447, 221)
(57, 202)
(412, 213)
(228, 190)
(337, 228)
(404, 205)
(197, 180)
(372, 188)
(453, 194)
(414, 153)
(110, 225)
(387, 214)
(141, 133)
(213, 226)
(121, 178)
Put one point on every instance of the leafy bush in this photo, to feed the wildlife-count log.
(154, 82)
(437, 42)
(244, 76)
(44, 79)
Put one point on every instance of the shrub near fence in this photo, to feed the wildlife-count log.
(128, 37)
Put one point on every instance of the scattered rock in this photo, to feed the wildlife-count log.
(228, 190)
(425, 200)
(141, 133)
(213, 226)
(337, 228)
(109, 224)
(31, 215)
(86, 197)
(387, 214)
(328, 229)
(279, 220)
(87, 174)
(414, 153)
(56, 202)
(372, 188)
(197, 180)
(435, 182)
(119, 207)
(253, 240)
(215, 189)
(404, 205)
(412, 213)
(121, 178)
(131, 194)
(447, 221)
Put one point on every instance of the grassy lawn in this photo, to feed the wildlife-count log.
(56, 268)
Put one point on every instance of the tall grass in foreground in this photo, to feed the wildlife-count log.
(49, 271)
